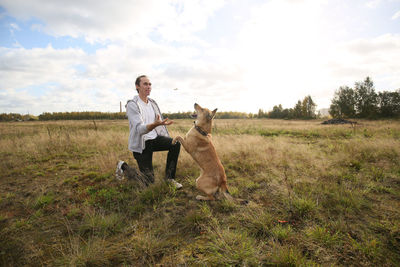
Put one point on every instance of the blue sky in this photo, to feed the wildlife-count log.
(228, 54)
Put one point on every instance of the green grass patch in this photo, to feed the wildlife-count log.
(44, 200)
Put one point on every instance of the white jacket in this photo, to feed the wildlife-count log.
(137, 128)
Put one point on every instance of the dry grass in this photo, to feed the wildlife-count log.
(319, 194)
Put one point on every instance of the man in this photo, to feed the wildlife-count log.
(148, 133)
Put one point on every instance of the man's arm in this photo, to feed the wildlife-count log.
(158, 122)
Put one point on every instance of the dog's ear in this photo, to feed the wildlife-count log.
(196, 106)
(213, 113)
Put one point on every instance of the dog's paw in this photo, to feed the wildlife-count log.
(175, 140)
(200, 198)
(244, 202)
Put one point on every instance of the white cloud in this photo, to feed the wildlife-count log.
(95, 20)
(376, 57)
(373, 4)
(14, 26)
(189, 17)
(396, 15)
(119, 19)
(81, 81)
(287, 54)
(26, 67)
(127, 25)
(280, 48)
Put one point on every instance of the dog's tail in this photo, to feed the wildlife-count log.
(225, 192)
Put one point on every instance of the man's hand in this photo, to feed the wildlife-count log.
(162, 122)
(159, 122)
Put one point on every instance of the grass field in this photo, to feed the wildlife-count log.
(319, 195)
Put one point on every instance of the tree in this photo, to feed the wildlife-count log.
(10, 117)
(276, 112)
(334, 110)
(308, 108)
(261, 113)
(366, 99)
(343, 103)
(389, 104)
(297, 110)
(286, 113)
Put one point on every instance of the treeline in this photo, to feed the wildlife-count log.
(178, 115)
(89, 115)
(220, 115)
(17, 117)
(85, 115)
(364, 102)
(302, 110)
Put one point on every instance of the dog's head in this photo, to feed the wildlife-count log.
(203, 115)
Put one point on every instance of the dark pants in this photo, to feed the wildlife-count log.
(145, 159)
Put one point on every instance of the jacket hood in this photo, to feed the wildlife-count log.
(136, 99)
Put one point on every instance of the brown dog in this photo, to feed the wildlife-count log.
(197, 143)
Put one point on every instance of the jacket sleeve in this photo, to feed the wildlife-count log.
(135, 119)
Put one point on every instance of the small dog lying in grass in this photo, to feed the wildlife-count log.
(197, 143)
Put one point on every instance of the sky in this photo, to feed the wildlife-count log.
(234, 55)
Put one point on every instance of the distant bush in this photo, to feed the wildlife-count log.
(17, 117)
(302, 110)
(178, 115)
(85, 115)
(234, 115)
(220, 115)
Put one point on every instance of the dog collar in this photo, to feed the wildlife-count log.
(201, 131)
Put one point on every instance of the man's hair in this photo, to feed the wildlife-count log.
(137, 82)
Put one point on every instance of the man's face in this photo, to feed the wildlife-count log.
(144, 86)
